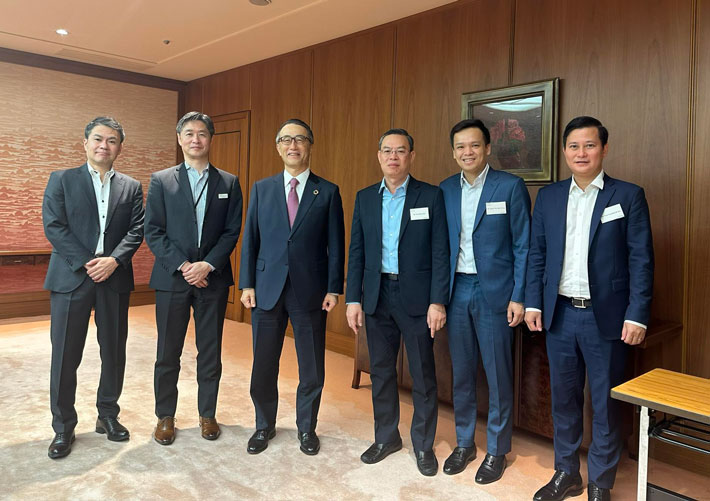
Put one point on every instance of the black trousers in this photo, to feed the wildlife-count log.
(70, 313)
(268, 329)
(385, 327)
(172, 315)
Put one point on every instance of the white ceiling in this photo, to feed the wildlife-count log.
(205, 37)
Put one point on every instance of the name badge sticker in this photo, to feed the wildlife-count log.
(495, 208)
(419, 213)
(612, 213)
(223, 195)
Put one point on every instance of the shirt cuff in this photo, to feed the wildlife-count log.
(354, 302)
(532, 309)
(181, 265)
(212, 267)
(635, 323)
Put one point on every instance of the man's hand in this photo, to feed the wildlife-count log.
(249, 298)
(534, 320)
(632, 334)
(435, 317)
(516, 312)
(329, 302)
(100, 268)
(196, 273)
(353, 313)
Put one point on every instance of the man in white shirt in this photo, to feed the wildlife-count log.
(292, 263)
(589, 284)
(93, 217)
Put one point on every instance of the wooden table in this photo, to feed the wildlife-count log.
(670, 392)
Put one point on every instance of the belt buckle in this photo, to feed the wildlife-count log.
(579, 302)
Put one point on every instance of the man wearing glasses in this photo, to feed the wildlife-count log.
(293, 255)
(398, 275)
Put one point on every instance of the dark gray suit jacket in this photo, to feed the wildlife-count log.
(171, 226)
(71, 224)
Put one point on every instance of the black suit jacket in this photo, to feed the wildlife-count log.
(171, 226)
(71, 223)
(423, 251)
(312, 253)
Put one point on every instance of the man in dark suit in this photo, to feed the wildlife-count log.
(93, 217)
(292, 263)
(488, 213)
(192, 223)
(589, 284)
(398, 275)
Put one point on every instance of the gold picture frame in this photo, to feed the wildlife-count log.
(522, 120)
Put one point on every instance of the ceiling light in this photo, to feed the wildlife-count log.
(261, 3)
(62, 31)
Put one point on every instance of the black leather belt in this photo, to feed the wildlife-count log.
(390, 276)
(578, 302)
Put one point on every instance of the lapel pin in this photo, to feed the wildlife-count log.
(315, 192)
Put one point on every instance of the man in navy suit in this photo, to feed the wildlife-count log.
(398, 275)
(93, 217)
(488, 214)
(589, 284)
(292, 263)
(192, 223)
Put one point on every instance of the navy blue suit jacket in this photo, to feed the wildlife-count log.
(71, 224)
(620, 262)
(423, 251)
(500, 241)
(312, 253)
(171, 226)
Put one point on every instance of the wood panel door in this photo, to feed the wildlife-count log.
(229, 152)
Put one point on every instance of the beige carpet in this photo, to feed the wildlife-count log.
(193, 468)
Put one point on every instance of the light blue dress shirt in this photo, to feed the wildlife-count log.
(198, 186)
(470, 196)
(392, 207)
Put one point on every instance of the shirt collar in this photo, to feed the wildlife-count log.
(205, 172)
(95, 172)
(400, 189)
(302, 177)
(480, 179)
(597, 182)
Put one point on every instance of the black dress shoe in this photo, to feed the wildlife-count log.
(377, 452)
(560, 487)
(310, 444)
(61, 445)
(427, 463)
(459, 459)
(114, 430)
(595, 493)
(491, 469)
(259, 441)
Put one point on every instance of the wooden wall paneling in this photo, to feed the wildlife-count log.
(627, 64)
(352, 107)
(698, 293)
(193, 96)
(226, 92)
(439, 57)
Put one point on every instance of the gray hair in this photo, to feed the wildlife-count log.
(296, 121)
(106, 121)
(195, 116)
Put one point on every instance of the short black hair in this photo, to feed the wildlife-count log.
(582, 123)
(470, 123)
(397, 132)
(296, 121)
(195, 116)
(106, 121)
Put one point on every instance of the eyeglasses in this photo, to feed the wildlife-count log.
(287, 140)
(400, 152)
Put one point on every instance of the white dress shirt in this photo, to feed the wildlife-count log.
(470, 196)
(302, 178)
(102, 190)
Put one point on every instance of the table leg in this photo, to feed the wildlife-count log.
(643, 455)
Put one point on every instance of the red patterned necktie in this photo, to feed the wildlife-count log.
(292, 202)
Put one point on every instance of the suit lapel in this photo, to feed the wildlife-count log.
(280, 198)
(489, 188)
(117, 186)
(409, 202)
(603, 198)
(455, 205)
(88, 190)
(212, 182)
(310, 192)
(559, 218)
(184, 182)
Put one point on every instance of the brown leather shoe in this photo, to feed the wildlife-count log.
(165, 431)
(210, 428)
